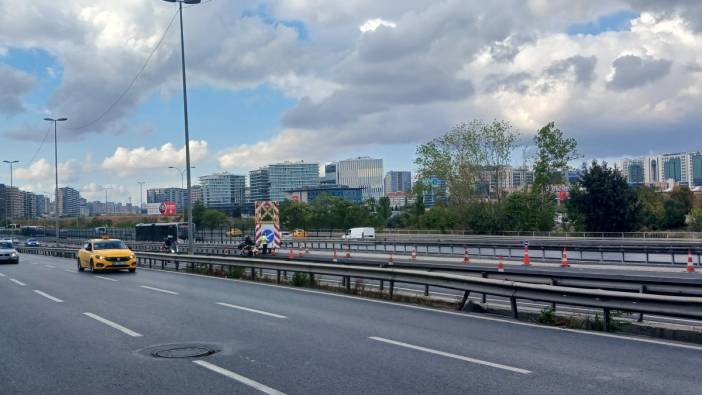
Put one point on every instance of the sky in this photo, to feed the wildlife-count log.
(323, 80)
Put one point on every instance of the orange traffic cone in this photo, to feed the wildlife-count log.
(466, 257)
(273, 251)
(292, 254)
(500, 266)
(690, 265)
(414, 254)
(299, 252)
(390, 260)
(348, 252)
(526, 256)
(334, 260)
(307, 249)
(564, 259)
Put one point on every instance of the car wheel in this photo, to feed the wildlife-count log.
(132, 270)
(80, 267)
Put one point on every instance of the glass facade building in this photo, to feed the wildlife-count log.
(273, 181)
(224, 192)
(363, 172)
(398, 181)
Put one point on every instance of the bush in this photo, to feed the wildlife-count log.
(300, 279)
(547, 316)
(235, 272)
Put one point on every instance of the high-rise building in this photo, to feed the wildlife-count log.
(633, 171)
(312, 193)
(397, 181)
(15, 205)
(196, 193)
(681, 168)
(329, 174)
(363, 172)
(3, 202)
(273, 181)
(224, 192)
(161, 195)
(68, 202)
(522, 177)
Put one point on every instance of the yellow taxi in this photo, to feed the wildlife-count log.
(106, 254)
(299, 233)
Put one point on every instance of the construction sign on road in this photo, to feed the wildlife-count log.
(268, 223)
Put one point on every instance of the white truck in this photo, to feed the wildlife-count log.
(359, 233)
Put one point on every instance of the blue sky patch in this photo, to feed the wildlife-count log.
(618, 21)
(264, 15)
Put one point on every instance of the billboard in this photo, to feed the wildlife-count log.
(165, 208)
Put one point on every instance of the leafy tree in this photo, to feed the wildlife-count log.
(384, 211)
(652, 215)
(696, 219)
(553, 152)
(528, 211)
(677, 207)
(294, 215)
(439, 217)
(604, 201)
(213, 219)
(469, 154)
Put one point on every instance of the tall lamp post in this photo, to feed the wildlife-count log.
(7, 203)
(189, 207)
(181, 175)
(106, 189)
(56, 211)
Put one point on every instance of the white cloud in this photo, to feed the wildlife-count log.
(39, 170)
(372, 24)
(126, 161)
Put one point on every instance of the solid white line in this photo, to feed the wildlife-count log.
(2, 275)
(70, 270)
(50, 266)
(246, 381)
(112, 324)
(18, 282)
(252, 310)
(105, 278)
(454, 356)
(446, 312)
(48, 296)
(159, 290)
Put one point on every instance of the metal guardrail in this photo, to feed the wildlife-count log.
(607, 300)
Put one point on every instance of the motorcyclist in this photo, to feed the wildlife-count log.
(247, 246)
(169, 244)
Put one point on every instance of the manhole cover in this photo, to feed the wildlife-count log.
(183, 352)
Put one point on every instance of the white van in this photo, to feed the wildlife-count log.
(359, 233)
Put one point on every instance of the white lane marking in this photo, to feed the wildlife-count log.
(18, 282)
(244, 380)
(35, 263)
(159, 290)
(2, 275)
(251, 310)
(114, 325)
(70, 270)
(44, 294)
(449, 355)
(105, 278)
(446, 312)
(50, 266)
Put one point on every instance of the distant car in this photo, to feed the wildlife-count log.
(299, 233)
(106, 254)
(359, 233)
(234, 232)
(8, 254)
(286, 236)
(31, 243)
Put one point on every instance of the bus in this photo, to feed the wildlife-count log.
(159, 231)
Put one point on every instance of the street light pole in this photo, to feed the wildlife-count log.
(182, 186)
(106, 189)
(56, 211)
(189, 206)
(7, 202)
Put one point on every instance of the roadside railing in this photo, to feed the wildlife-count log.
(606, 300)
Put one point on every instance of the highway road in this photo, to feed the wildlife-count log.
(67, 332)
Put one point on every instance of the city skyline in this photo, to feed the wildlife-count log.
(615, 71)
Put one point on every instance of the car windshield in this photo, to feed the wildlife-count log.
(110, 245)
(5, 244)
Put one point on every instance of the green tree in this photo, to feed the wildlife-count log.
(294, 215)
(469, 154)
(603, 201)
(677, 206)
(652, 215)
(553, 152)
(384, 211)
(213, 219)
(528, 211)
(696, 219)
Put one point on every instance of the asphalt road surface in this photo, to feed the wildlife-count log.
(64, 332)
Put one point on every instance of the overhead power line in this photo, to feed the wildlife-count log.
(131, 84)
